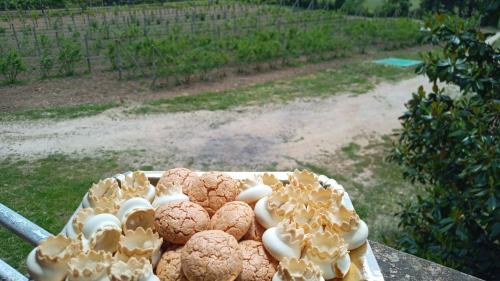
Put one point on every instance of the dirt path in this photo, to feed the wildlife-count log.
(259, 137)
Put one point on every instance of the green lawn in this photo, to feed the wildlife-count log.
(374, 185)
(65, 112)
(353, 76)
(357, 78)
(48, 190)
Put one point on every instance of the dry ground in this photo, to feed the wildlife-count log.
(106, 88)
(243, 137)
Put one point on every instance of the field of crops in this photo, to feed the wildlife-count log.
(181, 43)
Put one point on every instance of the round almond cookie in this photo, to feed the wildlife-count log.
(213, 190)
(178, 176)
(177, 221)
(255, 231)
(211, 255)
(169, 267)
(234, 218)
(258, 265)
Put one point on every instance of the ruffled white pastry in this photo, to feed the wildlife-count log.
(102, 232)
(264, 216)
(284, 240)
(352, 228)
(48, 261)
(107, 188)
(140, 243)
(328, 251)
(346, 201)
(356, 237)
(293, 269)
(74, 228)
(167, 193)
(272, 181)
(309, 219)
(137, 184)
(133, 269)
(90, 266)
(136, 212)
(324, 198)
(253, 190)
(304, 179)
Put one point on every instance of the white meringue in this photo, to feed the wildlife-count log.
(90, 266)
(136, 212)
(328, 251)
(292, 269)
(167, 193)
(265, 217)
(356, 237)
(102, 232)
(106, 188)
(253, 191)
(48, 261)
(133, 269)
(140, 243)
(284, 240)
(137, 184)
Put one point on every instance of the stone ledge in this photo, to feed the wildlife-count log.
(400, 266)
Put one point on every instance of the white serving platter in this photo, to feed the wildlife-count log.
(364, 266)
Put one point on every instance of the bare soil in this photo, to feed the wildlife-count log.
(269, 137)
(105, 87)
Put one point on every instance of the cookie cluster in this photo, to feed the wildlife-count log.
(203, 232)
(205, 227)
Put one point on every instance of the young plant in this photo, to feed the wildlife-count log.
(11, 65)
(46, 60)
(69, 56)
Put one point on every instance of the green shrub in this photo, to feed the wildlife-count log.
(452, 146)
(11, 64)
(69, 56)
(46, 60)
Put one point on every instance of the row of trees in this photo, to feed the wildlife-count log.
(489, 10)
(58, 4)
(181, 54)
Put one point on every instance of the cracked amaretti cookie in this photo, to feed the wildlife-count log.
(211, 255)
(213, 190)
(255, 231)
(258, 265)
(178, 176)
(169, 267)
(234, 218)
(177, 221)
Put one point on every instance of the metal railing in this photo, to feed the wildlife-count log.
(23, 228)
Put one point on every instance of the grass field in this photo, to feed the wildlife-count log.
(187, 43)
(373, 5)
(48, 190)
(354, 77)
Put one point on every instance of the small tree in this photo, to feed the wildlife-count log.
(69, 56)
(46, 60)
(11, 65)
(452, 146)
